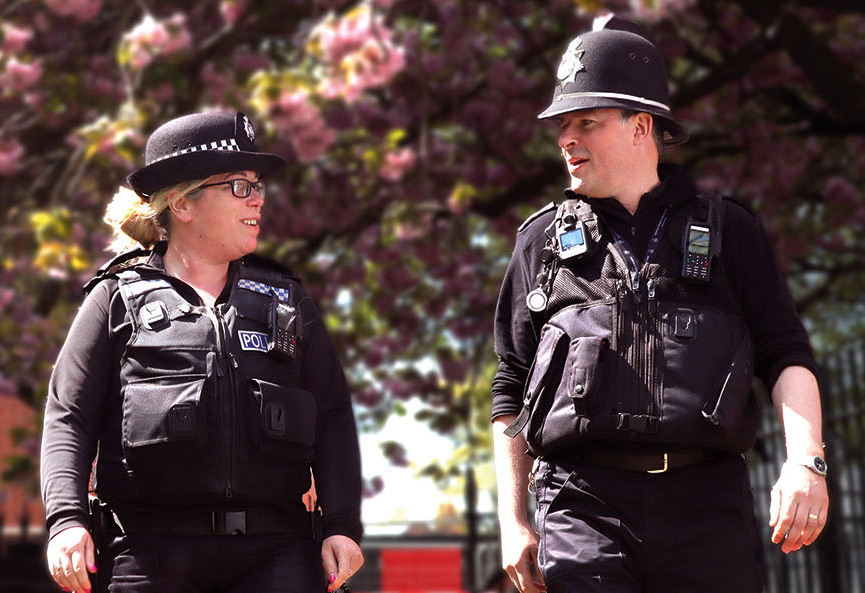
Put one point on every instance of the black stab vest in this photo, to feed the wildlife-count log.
(647, 358)
(209, 416)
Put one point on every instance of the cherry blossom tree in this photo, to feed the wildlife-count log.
(415, 153)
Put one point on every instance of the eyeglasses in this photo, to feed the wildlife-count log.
(240, 188)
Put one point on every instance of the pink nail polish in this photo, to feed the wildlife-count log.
(331, 577)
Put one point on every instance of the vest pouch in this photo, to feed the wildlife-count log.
(560, 414)
(728, 409)
(163, 427)
(283, 421)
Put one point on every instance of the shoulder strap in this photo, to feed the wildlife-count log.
(122, 261)
(582, 210)
(535, 215)
(715, 218)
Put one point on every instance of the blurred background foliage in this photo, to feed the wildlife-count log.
(415, 152)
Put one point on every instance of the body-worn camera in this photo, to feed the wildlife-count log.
(572, 238)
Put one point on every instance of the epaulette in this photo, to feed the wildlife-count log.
(541, 212)
(127, 259)
(742, 205)
(269, 264)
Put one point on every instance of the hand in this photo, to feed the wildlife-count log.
(520, 559)
(71, 555)
(798, 508)
(341, 557)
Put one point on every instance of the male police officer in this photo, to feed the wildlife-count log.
(630, 322)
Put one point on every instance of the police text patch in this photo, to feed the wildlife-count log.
(253, 341)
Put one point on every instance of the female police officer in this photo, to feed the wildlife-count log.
(205, 384)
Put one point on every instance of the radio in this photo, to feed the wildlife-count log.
(697, 248)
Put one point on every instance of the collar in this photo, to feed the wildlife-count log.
(675, 188)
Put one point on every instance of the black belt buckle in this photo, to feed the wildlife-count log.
(229, 522)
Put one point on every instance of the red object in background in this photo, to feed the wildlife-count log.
(422, 570)
(15, 504)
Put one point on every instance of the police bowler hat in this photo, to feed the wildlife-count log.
(197, 146)
(615, 67)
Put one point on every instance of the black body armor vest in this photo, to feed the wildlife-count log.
(627, 355)
(210, 416)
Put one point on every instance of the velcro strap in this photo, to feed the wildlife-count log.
(519, 423)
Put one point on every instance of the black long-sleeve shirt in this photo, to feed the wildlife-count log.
(84, 408)
(779, 338)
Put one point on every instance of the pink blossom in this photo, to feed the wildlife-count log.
(7, 387)
(358, 51)
(654, 10)
(397, 163)
(245, 60)
(6, 297)
(302, 122)
(11, 152)
(164, 93)
(231, 10)
(20, 76)
(151, 38)
(217, 84)
(14, 38)
(841, 191)
(82, 10)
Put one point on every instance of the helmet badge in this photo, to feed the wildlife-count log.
(571, 64)
(247, 127)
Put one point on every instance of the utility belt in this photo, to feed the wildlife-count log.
(251, 521)
(653, 461)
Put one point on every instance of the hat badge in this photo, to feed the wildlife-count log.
(571, 64)
(247, 127)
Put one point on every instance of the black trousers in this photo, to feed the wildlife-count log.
(690, 530)
(211, 564)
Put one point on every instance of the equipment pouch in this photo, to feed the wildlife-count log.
(562, 380)
(283, 421)
(560, 412)
(727, 409)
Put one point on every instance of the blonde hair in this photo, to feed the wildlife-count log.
(139, 223)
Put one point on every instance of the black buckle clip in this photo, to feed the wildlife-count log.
(229, 522)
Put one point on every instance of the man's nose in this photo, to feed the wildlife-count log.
(567, 139)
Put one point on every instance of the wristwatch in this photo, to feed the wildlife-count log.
(813, 462)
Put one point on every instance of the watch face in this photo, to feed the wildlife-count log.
(820, 465)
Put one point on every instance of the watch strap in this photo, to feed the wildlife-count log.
(813, 462)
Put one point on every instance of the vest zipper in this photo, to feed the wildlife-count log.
(637, 346)
(227, 406)
(652, 348)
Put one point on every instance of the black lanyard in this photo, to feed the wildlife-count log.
(630, 258)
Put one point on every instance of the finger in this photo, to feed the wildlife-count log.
(90, 554)
(65, 573)
(79, 579)
(774, 506)
(796, 531)
(816, 522)
(784, 521)
(525, 580)
(328, 561)
(343, 564)
(59, 578)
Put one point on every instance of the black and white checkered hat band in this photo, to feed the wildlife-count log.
(216, 145)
